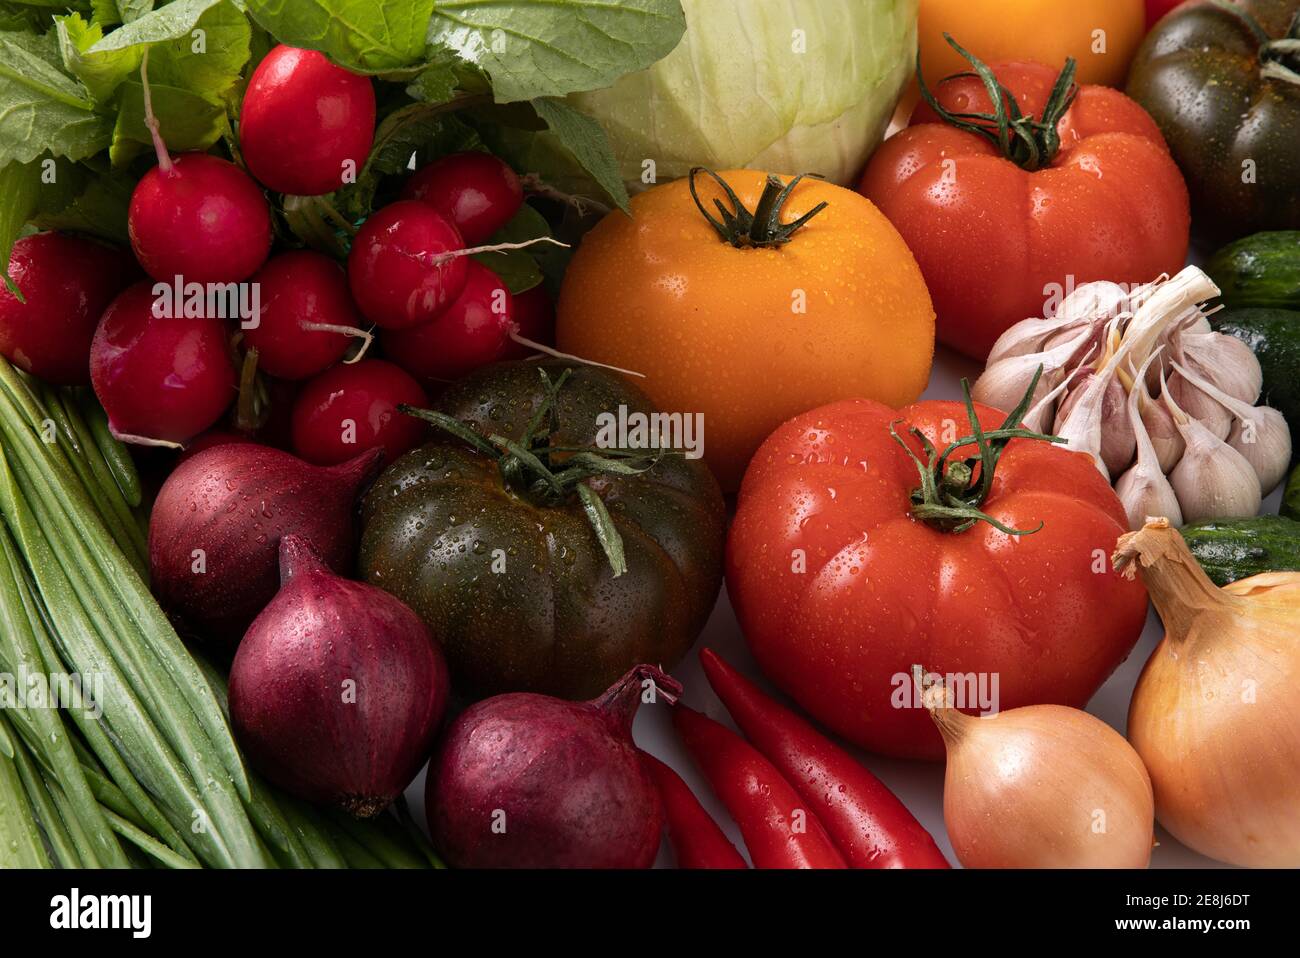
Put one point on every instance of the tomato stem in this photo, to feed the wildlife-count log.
(1028, 142)
(549, 474)
(763, 227)
(952, 494)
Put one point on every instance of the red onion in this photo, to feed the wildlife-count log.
(529, 781)
(217, 523)
(337, 689)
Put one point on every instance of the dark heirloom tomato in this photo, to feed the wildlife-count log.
(1225, 90)
(840, 588)
(507, 568)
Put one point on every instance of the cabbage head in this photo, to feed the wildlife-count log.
(788, 86)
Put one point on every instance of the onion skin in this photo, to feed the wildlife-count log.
(561, 782)
(1214, 712)
(289, 704)
(1027, 788)
(234, 502)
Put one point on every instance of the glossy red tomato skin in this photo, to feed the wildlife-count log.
(390, 271)
(297, 287)
(159, 377)
(882, 591)
(205, 221)
(303, 120)
(472, 332)
(476, 191)
(995, 241)
(349, 409)
(67, 282)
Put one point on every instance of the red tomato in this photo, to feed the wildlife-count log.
(996, 241)
(840, 590)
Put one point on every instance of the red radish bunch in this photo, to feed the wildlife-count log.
(66, 282)
(337, 688)
(305, 125)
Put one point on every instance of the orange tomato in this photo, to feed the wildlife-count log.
(1102, 35)
(750, 336)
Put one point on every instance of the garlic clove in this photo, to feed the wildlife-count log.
(1002, 384)
(1224, 361)
(1144, 490)
(1259, 433)
(1200, 406)
(1160, 429)
(1212, 480)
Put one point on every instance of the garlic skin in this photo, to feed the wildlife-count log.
(1259, 433)
(1214, 714)
(1200, 406)
(1144, 490)
(1264, 440)
(1044, 786)
(1212, 480)
(1002, 384)
(1224, 361)
(1159, 425)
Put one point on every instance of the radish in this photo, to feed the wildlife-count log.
(530, 781)
(473, 331)
(306, 125)
(400, 268)
(349, 409)
(306, 318)
(534, 316)
(161, 380)
(477, 192)
(197, 217)
(67, 283)
(337, 688)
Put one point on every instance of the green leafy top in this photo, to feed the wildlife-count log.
(73, 138)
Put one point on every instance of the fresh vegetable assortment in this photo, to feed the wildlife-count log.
(376, 379)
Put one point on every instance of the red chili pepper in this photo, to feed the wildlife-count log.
(697, 840)
(780, 830)
(868, 823)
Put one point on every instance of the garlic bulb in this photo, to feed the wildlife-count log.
(1212, 480)
(1214, 714)
(1100, 370)
(1143, 490)
(1259, 433)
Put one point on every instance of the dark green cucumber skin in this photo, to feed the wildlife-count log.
(1232, 549)
(1291, 497)
(1259, 271)
(1274, 335)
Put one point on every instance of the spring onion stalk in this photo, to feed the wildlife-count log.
(21, 845)
(155, 780)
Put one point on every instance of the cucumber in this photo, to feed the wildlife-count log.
(1232, 549)
(1291, 497)
(1261, 270)
(1274, 335)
